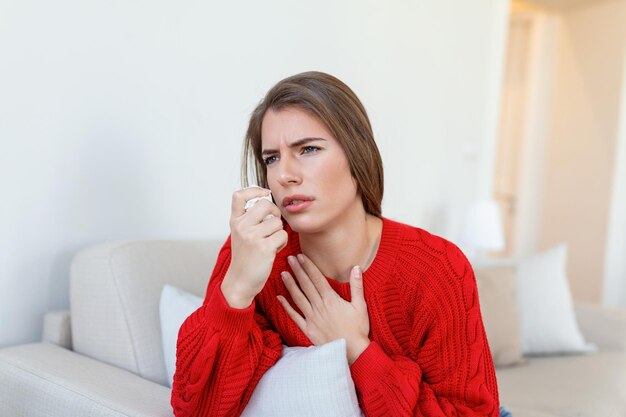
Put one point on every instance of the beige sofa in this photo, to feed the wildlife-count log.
(104, 358)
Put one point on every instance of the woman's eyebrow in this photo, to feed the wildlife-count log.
(295, 144)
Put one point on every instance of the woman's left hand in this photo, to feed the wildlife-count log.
(327, 316)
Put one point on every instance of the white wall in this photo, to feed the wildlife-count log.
(125, 119)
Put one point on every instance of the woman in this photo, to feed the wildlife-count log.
(404, 300)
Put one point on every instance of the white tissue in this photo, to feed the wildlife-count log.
(255, 200)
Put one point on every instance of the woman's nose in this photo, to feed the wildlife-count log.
(289, 171)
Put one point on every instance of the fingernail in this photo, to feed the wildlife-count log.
(291, 260)
(283, 276)
(357, 271)
(300, 258)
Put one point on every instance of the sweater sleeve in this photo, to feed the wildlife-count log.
(221, 353)
(457, 376)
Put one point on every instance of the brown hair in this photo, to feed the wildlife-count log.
(340, 110)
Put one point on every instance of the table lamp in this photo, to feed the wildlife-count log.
(482, 229)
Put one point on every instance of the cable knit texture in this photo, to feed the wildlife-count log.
(429, 354)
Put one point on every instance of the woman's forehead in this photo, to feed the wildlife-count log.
(285, 126)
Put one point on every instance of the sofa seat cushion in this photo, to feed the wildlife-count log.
(525, 412)
(42, 379)
(569, 385)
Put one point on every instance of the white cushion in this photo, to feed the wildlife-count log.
(306, 381)
(548, 321)
(175, 306)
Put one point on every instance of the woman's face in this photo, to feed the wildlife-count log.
(304, 161)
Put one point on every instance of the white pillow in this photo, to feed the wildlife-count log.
(547, 318)
(175, 306)
(306, 381)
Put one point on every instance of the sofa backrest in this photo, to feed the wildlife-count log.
(115, 290)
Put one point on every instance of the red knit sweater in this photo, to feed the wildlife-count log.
(429, 354)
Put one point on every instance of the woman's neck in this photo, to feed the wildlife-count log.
(353, 241)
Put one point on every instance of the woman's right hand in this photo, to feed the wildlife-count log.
(254, 245)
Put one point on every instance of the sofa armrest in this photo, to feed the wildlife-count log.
(45, 380)
(57, 329)
(604, 326)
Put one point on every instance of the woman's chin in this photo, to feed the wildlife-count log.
(304, 223)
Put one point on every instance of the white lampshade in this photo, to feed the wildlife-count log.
(483, 226)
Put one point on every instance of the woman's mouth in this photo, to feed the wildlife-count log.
(296, 206)
(297, 202)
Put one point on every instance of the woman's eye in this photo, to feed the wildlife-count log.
(309, 149)
(306, 149)
(269, 159)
